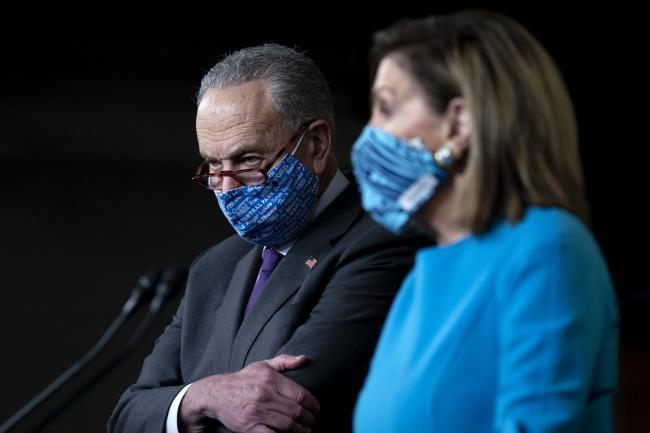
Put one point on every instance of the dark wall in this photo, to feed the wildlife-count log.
(97, 148)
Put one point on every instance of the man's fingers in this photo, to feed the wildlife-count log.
(293, 410)
(259, 428)
(280, 422)
(286, 362)
(291, 390)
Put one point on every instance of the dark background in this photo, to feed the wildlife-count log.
(97, 148)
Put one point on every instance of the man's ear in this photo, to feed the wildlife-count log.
(320, 145)
(459, 126)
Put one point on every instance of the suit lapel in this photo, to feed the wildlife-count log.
(315, 241)
(230, 312)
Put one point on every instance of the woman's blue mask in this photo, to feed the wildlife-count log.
(274, 213)
(395, 177)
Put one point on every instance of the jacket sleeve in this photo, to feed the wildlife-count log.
(557, 334)
(143, 406)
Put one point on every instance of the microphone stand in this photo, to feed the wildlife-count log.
(142, 292)
(170, 282)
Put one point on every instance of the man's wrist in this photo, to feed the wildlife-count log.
(193, 407)
(172, 424)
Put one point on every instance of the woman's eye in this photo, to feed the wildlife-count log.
(384, 109)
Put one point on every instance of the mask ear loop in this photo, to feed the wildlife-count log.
(417, 143)
(299, 140)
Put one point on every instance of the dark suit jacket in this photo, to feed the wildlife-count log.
(333, 313)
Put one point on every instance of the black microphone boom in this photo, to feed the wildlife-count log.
(141, 293)
(170, 282)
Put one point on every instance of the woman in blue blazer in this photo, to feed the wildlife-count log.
(509, 323)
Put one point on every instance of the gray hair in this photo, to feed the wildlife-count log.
(297, 88)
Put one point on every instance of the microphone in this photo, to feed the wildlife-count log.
(169, 283)
(141, 293)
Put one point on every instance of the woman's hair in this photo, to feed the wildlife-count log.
(523, 142)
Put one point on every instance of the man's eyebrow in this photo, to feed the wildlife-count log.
(237, 153)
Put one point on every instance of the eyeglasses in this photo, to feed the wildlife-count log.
(213, 179)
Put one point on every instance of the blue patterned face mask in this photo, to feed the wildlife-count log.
(395, 177)
(274, 213)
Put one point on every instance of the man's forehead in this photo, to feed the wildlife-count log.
(250, 98)
(243, 106)
(234, 123)
(235, 118)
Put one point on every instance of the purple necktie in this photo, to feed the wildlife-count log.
(270, 259)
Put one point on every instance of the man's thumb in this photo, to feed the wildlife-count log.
(286, 362)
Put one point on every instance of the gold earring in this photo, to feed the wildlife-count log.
(443, 156)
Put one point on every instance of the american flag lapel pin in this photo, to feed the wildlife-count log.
(311, 262)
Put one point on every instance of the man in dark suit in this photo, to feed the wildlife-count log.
(278, 324)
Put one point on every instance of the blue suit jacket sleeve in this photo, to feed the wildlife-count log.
(549, 356)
